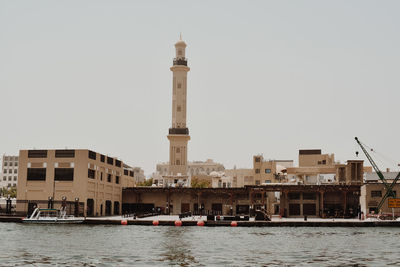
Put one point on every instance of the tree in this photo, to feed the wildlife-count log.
(148, 182)
(12, 191)
(200, 183)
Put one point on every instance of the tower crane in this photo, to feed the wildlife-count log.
(389, 187)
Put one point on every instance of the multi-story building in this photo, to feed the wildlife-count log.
(9, 171)
(89, 182)
(373, 190)
(269, 171)
(241, 177)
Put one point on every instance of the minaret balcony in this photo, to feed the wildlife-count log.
(183, 131)
(180, 61)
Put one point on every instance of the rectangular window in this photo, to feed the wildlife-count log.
(101, 176)
(91, 173)
(324, 162)
(267, 170)
(110, 161)
(118, 163)
(37, 153)
(294, 196)
(15, 178)
(64, 174)
(15, 170)
(257, 170)
(109, 178)
(267, 181)
(36, 174)
(65, 153)
(131, 174)
(376, 193)
(16, 164)
(257, 159)
(257, 182)
(102, 158)
(126, 172)
(92, 155)
(117, 179)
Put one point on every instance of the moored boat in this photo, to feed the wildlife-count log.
(52, 216)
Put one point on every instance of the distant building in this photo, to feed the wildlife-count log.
(241, 177)
(373, 190)
(90, 183)
(9, 171)
(269, 171)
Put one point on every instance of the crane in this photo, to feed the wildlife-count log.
(389, 187)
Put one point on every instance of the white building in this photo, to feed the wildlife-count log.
(9, 171)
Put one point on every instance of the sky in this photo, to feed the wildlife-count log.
(267, 77)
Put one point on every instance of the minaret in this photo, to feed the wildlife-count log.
(179, 133)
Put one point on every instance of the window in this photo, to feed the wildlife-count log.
(110, 161)
(9, 171)
(257, 159)
(267, 181)
(36, 174)
(117, 179)
(179, 85)
(37, 153)
(5, 163)
(126, 172)
(294, 196)
(14, 185)
(16, 164)
(324, 162)
(4, 178)
(64, 174)
(109, 178)
(118, 163)
(91, 173)
(92, 155)
(267, 170)
(66, 153)
(101, 176)
(376, 193)
(15, 170)
(257, 182)
(257, 170)
(9, 178)
(178, 108)
(131, 173)
(102, 158)
(178, 150)
(15, 178)
(178, 162)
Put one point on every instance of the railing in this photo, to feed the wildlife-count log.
(184, 131)
(180, 61)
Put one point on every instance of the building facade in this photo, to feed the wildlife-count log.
(9, 171)
(89, 182)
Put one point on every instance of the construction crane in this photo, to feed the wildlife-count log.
(389, 187)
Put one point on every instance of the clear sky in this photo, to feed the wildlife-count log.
(266, 77)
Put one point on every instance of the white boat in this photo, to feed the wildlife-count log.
(52, 216)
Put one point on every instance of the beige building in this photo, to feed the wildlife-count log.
(269, 171)
(194, 167)
(9, 171)
(373, 190)
(241, 177)
(90, 183)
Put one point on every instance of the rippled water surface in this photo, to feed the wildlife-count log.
(84, 245)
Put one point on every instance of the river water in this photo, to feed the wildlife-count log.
(114, 245)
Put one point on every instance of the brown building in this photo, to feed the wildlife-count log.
(89, 182)
(296, 200)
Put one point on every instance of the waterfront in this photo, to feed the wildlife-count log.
(108, 245)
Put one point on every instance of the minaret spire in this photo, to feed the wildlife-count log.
(178, 133)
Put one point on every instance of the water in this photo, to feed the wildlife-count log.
(84, 245)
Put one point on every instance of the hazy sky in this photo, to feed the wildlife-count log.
(266, 77)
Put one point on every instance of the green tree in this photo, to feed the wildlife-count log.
(200, 183)
(12, 191)
(148, 182)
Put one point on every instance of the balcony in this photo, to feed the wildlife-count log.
(183, 131)
(180, 61)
